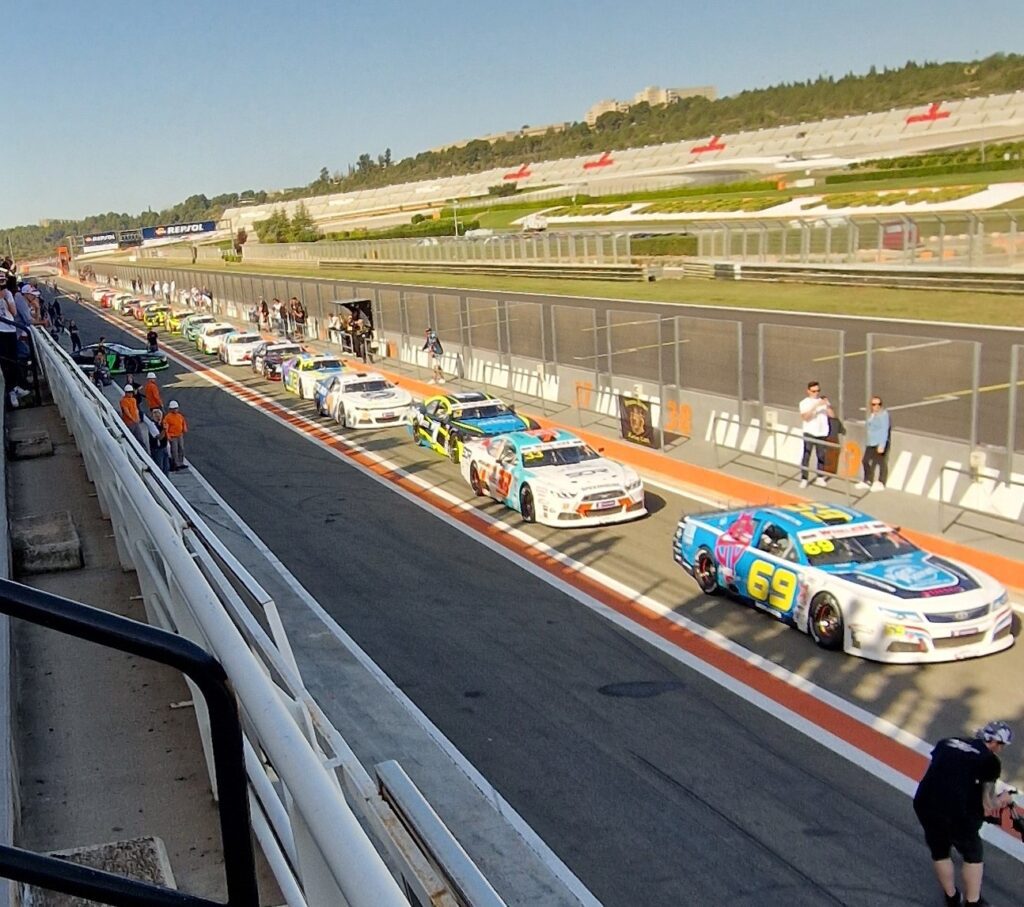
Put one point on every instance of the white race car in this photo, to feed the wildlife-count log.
(211, 335)
(236, 348)
(362, 400)
(552, 477)
(848, 580)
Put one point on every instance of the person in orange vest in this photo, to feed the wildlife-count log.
(152, 391)
(176, 426)
(130, 414)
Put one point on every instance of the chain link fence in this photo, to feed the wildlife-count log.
(580, 354)
(989, 239)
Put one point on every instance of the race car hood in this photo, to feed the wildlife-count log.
(591, 474)
(494, 425)
(917, 575)
(379, 399)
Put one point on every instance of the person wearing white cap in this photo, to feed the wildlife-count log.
(176, 426)
(151, 390)
(951, 802)
(129, 406)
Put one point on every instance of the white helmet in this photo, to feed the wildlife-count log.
(997, 732)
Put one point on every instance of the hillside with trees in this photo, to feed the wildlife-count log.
(690, 118)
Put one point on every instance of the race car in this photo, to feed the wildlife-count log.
(121, 302)
(175, 320)
(276, 350)
(155, 316)
(237, 347)
(100, 292)
(848, 580)
(107, 299)
(300, 374)
(191, 326)
(444, 422)
(361, 400)
(209, 336)
(552, 477)
(121, 359)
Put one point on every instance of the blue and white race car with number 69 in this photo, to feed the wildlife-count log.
(848, 580)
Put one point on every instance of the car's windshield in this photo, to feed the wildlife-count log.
(364, 387)
(535, 457)
(483, 411)
(326, 364)
(856, 549)
(219, 331)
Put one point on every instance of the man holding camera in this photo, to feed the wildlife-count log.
(815, 411)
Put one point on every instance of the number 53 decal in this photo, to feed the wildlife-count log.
(771, 584)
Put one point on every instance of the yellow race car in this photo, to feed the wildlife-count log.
(156, 316)
(174, 320)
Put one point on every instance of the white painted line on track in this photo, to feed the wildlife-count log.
(1010, 845)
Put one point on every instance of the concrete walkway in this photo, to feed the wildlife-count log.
(107, 747)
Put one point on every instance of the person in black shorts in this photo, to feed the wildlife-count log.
(951, 801)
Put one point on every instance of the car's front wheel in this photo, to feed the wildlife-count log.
(454, 449)
(825, 621)
(705, 571)
(527, 507)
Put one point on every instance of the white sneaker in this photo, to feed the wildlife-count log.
(14, 400)
(442, 381)
(862, 486)
(803, 483)
(21, 392)
(821, 481)
(878, 486)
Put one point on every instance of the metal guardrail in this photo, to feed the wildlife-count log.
(206, 674)
(975, 476)
(573, 271)
(293, 783)
(774, 431)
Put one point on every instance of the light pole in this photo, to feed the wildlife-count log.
(455, 214)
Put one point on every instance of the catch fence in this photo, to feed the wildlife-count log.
(580, 354)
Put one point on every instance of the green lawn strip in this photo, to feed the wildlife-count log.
(872, 302)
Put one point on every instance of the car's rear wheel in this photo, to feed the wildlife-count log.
(705, 571)
(475, 483)
(526, 505)
(825, 621)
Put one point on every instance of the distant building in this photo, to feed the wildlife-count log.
(505, 136)
(652, 95)
(44, 222)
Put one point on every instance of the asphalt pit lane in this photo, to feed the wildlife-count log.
(640, 689)
(473, 694)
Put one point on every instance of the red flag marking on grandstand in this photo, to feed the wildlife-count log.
(933, 113)
(605, 160)
(520, 174)
(713, 145)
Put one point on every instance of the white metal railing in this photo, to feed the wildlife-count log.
(305, 782)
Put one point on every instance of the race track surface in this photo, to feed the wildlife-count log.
(654, 783)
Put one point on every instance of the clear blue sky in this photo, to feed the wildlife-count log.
(142, 104)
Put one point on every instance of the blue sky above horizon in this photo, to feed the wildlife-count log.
(138, 105)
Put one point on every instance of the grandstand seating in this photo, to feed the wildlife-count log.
(774, 149)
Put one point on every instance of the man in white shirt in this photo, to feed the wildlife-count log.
(815, 411)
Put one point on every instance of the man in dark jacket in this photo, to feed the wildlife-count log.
(951, 802)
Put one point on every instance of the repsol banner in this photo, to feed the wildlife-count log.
(99, 239)
(167, 231)
(635, 422)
